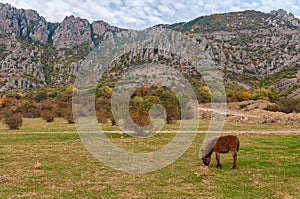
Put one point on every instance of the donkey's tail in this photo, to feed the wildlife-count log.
(238, 145)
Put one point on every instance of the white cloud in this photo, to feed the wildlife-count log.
(139, 14)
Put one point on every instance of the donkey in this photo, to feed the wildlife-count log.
(220, 145)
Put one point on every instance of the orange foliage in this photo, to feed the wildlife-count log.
(243, 95)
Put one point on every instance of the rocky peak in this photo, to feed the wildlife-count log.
(100, 27)
(279, 13)
(72, 32)
(23, 23)
(34, 26)
(286, 17)
(9, 22)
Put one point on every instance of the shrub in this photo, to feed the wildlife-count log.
(242, 106)
(171, 104)
(289, 105)
(48, 116)
(203, 94)
(28, 109)
(112, 120)
(243, 95)
(265, 94)
(273, 108)
(102, 116)
(47, 106)
(285, 105)
(140, 117)
(13, 120)
(68, 115)
(40, 95)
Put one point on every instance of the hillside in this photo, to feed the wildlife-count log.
(252, 112)
(35, 53)
(253, 49)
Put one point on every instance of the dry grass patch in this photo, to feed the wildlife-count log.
(265, 164)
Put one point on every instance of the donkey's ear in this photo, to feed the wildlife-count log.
(202, 153)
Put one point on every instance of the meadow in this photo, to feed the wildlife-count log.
(268, 165)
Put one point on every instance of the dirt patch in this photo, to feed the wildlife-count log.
(252, 112)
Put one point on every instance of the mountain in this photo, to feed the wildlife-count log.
(35, 53)
(252, 49)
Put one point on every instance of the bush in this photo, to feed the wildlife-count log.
(48, 116)
(28, 109)
(289, 105)
(13, 120)
(243, 96)
(265, 94)
(242, 106)
(102, 116)
(140, 117)
(273, 108)
(40, 95)
(68, 115)
(285, 105)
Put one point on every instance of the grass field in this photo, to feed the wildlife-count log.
(61, 125)
(268, 167)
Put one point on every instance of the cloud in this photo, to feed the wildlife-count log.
(139, 14)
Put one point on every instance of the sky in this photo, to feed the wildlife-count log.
(140, 14)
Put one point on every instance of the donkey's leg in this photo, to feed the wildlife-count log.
(218, 160)
(234, 155)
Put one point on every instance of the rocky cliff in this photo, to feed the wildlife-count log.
(23, 23)
(251, 48)
(35, 53)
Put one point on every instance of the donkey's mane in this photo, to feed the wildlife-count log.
(209, 148)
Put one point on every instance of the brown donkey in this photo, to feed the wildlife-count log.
(220, 145)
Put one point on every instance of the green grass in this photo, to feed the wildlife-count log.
(61, 125)
(40, 125)
(268, 167)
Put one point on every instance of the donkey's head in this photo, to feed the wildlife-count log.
(205, 157)
(206, 160)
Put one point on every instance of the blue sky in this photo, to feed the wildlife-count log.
(140, 14)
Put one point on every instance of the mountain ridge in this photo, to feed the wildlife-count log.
(249, 47)
(232, 21)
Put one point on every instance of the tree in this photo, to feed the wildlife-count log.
(40, 95)
(243, 96)
(12, 119)
(68, 115)
(171, 104)
(138, 108)
(265, 94)
(48, 116)
(203, 94)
